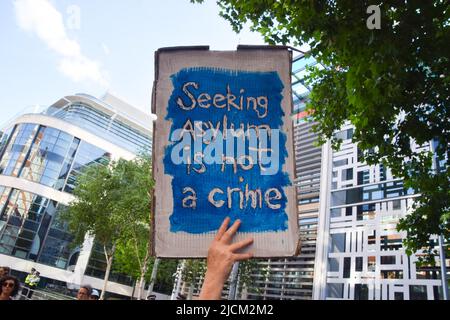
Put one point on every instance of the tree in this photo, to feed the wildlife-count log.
(134, 201)
(246, 269)
(386, 71)
(165, 277)
(193, 270)
(132, 257)
(111, 204)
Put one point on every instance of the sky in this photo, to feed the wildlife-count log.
(53, 48)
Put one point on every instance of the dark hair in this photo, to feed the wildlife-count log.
(88, 288)
(16, 284)
(6, 270)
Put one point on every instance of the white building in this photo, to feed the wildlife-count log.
(348, 213)
(41, 155)
(359, 250)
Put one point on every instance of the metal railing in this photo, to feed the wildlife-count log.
(27, 293)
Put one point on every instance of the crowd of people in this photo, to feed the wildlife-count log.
(10, 286)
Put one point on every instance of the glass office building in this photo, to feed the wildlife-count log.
(41, 155)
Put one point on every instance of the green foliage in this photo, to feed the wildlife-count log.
(92, 210)
(113, 204)
(133, 249)
(193, 270)
(131, 252)
(246, 269)
(165, 275)
(391, 83)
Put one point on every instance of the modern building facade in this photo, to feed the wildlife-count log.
(41, 155)
(292, 278)
(360, 253)
(350, 247)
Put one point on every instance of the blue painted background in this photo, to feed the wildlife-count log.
(206, 217)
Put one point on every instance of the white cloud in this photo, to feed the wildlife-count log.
(43, 19)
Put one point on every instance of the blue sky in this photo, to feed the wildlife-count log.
(52, 48)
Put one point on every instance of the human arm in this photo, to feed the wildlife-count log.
(222, 254)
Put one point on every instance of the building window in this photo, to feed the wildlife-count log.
(396, 205)
(335, 213)
(339, 163)
(338, 242)
(19, 145)
(45, 160)
(335, 290)
(387, 260)
(344, 134)
(398, 296)
(368, 193)
(417, 292)
(391, 242)
(348, 211)
(333, 265)
(363, 177)
(29, 232)
(97, 267)
(372, 237)
(371, 263)
(365, 212)
(361, 292)
(347, 174)
(87, 155)
(346, 273)
(391, 274)
(359, 264)
(104, 126)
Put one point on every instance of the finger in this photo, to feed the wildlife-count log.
(222, 229)
(241, 244)
(242, 256)
(227, 236)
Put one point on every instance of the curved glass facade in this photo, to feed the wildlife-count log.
(48, 156)
(29, 224)
(104, 126)
(30, 229)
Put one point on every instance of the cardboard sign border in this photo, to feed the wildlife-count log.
(153, 108)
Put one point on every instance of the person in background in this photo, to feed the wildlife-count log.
(222, 254)
(84, 292)
(26, 290)
(33, 281)
(9, 287)
(95, 295)
(4, 271)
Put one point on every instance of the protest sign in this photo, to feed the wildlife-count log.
(223, 147)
